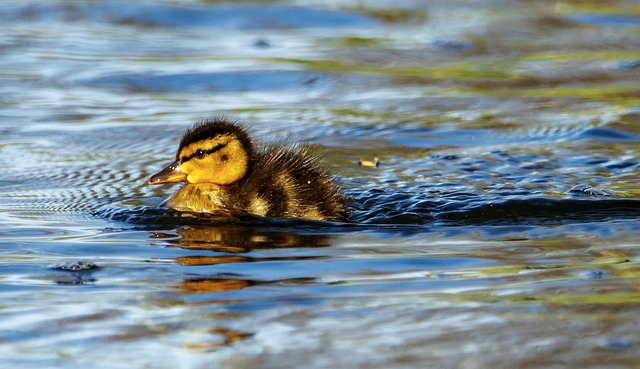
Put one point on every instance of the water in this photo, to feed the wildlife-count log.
(500, 229)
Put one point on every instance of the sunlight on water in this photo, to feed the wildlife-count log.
(495, 223)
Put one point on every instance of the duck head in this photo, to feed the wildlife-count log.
(216, 151)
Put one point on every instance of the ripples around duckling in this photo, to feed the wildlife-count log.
(377, 209)
(500, 188)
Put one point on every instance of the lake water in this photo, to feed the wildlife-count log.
(501, 228)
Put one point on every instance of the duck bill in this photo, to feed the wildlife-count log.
(170, 174)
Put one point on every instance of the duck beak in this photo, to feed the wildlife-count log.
(170, 174)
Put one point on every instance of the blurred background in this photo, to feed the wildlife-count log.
(499, 230)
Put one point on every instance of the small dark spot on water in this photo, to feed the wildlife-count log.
(542, 267)
(453, 45)
(586, 190)
(445, 157)
(311, 80)
(262, 43)
(76, 280)
(596, 274)
(78, 266)
(77, 273)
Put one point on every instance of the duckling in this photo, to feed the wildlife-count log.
(223, 170)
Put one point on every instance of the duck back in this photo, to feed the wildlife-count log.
(288, 181)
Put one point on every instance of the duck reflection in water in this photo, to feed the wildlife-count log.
(241, 239)
(224, 244)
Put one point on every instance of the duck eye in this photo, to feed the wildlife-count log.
(200, 154)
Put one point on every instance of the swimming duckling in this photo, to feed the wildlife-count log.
(223, 171)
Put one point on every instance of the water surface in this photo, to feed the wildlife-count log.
(500, 229)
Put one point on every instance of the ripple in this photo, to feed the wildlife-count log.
(586, 190)
(616, 20)
(375, 208)
(33, 232)
(210, 82)
(249, 17)
(161, 217)
(601, 133)
(544, 211)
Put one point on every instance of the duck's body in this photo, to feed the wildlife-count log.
(223, 171)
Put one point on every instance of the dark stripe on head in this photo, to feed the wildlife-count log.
(201, 153)
(213, 127)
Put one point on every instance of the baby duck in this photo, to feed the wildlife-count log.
(224, 171)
